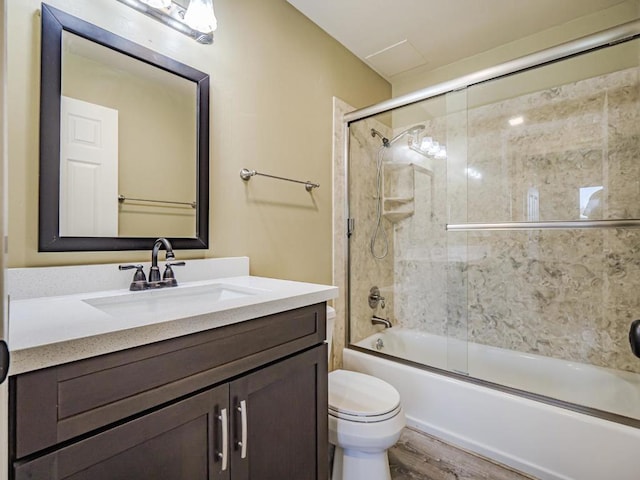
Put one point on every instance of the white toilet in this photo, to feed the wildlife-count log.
(365, 419)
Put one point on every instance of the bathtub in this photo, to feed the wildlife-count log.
(543, 440)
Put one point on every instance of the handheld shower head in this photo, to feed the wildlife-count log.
(379, 233)
(409, 131)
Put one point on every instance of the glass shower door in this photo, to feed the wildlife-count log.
(501, 224)
(457, 179)
(399, 176)
(552, 260)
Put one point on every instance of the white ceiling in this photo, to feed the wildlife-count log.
(393, 36)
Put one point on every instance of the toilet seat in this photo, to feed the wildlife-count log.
(364, 418)
(361, 398)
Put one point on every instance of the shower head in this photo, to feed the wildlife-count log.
(409, 131)
(385, 140)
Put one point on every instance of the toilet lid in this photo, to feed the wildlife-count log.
(360, 395)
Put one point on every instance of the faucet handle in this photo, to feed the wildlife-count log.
(139, 279)
(169, 277)
(375, 298)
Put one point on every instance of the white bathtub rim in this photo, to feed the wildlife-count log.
(581, 439)
(628, 408)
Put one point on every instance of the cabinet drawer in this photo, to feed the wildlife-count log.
(175, 442)
(60, 403)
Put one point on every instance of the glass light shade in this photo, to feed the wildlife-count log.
(157, 3)
(200, 16)
(426, 143)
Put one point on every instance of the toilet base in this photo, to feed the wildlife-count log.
(354, 465)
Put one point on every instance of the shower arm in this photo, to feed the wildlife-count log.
(385, 140)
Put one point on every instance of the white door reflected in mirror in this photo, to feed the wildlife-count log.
(88, 169)
(155, 144)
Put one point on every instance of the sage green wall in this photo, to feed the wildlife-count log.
(273, 76)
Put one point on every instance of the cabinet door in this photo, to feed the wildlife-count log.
(176, 442)
(285, 407)
(65, 402)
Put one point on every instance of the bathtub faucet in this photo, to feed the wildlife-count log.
(375, 320)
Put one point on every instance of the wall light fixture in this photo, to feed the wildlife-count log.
(428, 147)
(194, 18)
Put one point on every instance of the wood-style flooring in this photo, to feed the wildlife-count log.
(420, 456)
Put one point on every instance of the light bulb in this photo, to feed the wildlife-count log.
(200, 16)
(157, 3)
(442, 153)
(434, 148)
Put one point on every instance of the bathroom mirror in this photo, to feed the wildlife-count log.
(124, 143)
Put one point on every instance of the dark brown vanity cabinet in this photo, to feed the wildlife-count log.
(253, 406)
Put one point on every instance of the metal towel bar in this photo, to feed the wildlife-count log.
(122, 198)
(246, 174)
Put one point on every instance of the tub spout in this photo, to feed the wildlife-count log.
(375, 320)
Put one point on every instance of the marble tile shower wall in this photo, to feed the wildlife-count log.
(366, 271)
(568, 294)
(420, 241)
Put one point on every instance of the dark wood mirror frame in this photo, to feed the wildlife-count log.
(54, 22)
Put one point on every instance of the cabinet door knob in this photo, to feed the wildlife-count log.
(224, 455)
(243, 422)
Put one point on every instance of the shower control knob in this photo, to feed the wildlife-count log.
(375, 298)
(634, 337)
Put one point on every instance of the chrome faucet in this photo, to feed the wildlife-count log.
(375, 320)
(168, 278)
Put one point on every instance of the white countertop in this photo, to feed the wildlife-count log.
(50, 330)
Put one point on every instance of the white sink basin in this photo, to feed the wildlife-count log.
(169, 300)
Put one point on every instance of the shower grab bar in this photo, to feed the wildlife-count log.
(468, 227)
(122, 199)
(246, 174)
